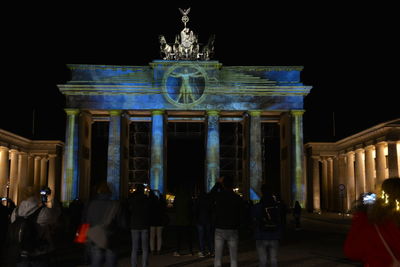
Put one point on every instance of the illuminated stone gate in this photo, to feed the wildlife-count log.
(172, 90)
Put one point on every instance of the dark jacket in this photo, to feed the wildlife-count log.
(46, 219)
(229, 210)
(257, 213)
(203, 209)
(183, 205)
(139, 211)
(157, 211)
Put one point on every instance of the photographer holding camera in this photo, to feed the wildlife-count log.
(44, 214)
(374, 236)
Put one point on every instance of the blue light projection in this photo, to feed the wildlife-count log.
(114, 153)
(70, 183)
(157, 148)
(212, 156)
(255, 155)
(184, 86)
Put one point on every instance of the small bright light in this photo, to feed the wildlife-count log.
(397, 205)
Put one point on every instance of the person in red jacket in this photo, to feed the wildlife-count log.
(374, 236)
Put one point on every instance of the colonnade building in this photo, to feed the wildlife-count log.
(24, 162)
(337, 173)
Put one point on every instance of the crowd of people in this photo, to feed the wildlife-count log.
(217, 217)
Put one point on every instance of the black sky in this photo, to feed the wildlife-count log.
(347, 52)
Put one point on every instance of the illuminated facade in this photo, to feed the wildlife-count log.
(359, 162)
(192, 91)
(25, 162)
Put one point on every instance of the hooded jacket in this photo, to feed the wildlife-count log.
(46, 219)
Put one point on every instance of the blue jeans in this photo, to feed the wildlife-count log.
(231, 236)
(100, 256)
(267, 249)
(205, 232)
(138, 235)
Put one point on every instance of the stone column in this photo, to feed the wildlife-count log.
(125, 155)
(360, 172)
(70, 181)
(114, 153)
(393, 156)
(380, 163)
(43, 172)
(13, 174)
(36, 173)
(212, 153)
(298, 186)
(316, 184)
(342, 180)
(350, 182)
(157, 150)
(51, 182)
(325, 197)
(31, 169)
(22, 176)
(255, 157)
(369, 169)
(4, 157)
(330, 184)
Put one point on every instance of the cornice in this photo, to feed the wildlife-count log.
(372, 136)
(13, 141)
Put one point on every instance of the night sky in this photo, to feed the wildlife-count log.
(347, 53)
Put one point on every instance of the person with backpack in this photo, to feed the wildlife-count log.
(158, 214)
(139, 214)
(104, 217)
(229, 217)
(203, 219)
(297, 214)
(267, 228)
(31, 229)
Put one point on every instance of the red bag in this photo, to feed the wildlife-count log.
(81, 233)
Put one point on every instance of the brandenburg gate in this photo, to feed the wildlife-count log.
(186, 84)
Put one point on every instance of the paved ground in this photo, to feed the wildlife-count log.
(318, 243)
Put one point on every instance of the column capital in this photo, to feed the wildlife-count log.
(71, 111)
(383, 143)
(316, 157)
(12, 152)
(115, 112)
(3, 148)
(158, 112)
(38, 157)
(297, 112)
(370, 147)
(50, 156)
(254, 113)
(359, 150)
(212, 112)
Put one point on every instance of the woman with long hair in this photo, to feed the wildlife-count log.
(374, 236)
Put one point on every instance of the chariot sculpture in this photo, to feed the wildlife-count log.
(186, 45)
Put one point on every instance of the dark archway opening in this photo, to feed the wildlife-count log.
(185, 156)
(98, 164)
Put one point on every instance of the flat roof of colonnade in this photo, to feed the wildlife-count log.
(185, 86)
